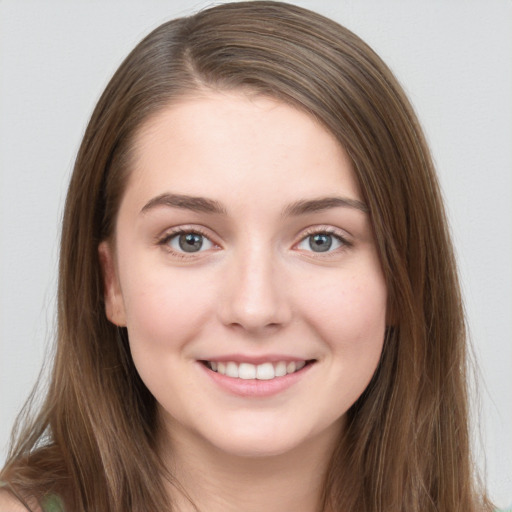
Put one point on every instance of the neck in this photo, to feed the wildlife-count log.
(215, 481)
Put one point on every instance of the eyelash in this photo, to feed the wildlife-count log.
(164, 241)
(326, 230)
(317, 230)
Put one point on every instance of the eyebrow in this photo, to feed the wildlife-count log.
(196, 204)
(204, 205)
(324, 203)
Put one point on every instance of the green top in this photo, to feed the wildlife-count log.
(52, 503)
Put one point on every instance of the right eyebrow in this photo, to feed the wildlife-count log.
(193, 203)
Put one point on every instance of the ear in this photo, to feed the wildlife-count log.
(114, 304)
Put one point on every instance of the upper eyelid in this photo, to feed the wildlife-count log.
(345, 241)
(171, 232)
(331, 230)
(163, 241)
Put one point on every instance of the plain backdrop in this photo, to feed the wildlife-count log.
(454, 59)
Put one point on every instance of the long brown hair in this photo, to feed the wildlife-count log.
(406, 446)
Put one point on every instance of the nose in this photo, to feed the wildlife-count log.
(254, 296)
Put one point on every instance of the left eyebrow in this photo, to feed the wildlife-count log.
(324, 203)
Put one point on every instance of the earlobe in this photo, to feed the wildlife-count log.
(114, 304)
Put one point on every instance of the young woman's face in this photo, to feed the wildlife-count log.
(246, 273)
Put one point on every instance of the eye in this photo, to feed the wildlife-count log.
(188, 241)
(321, 242)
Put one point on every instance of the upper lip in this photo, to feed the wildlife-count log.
(260, 359)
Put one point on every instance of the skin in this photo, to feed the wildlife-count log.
(9, 503)
(257, 288)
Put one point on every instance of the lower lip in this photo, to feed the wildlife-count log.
(254, 387)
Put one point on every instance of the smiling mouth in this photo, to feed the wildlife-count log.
(264, 371)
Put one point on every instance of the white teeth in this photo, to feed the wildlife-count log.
(265, 371)
(280, 369)
(248, 371)
(299, 365)
(232, 369)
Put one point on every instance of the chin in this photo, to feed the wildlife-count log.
(260, 440)
(255, 448)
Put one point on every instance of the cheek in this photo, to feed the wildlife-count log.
(350, 316)
(352, 309)
(351, 320)
(166, 308)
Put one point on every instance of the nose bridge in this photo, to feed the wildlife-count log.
(255, 298)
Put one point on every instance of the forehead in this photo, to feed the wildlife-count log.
(234, 141)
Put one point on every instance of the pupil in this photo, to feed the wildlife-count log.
(190, 242)
(320, 242)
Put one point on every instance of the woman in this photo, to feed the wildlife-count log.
(258, 301)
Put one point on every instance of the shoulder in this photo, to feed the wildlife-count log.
(9, 503)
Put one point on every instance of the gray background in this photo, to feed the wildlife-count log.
(454, 59)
